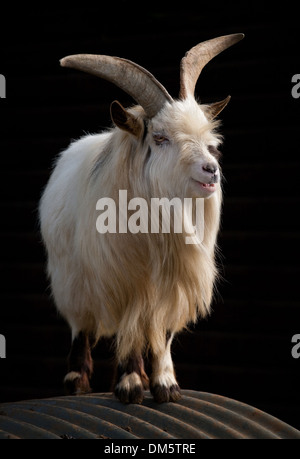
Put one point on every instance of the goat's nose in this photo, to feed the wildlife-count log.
(211, 168)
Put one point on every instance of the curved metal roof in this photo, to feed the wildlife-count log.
(197, 415)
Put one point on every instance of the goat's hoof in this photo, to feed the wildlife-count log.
(130, 389)
(132, 395)
(76, 383)
(164, 394)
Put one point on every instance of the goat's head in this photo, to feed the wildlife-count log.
(182, 144)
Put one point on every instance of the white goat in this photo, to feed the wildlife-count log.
(141, 288)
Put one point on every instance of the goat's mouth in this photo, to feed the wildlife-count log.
(209, 187)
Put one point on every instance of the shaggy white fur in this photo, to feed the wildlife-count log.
(141, 287)
(136, 286)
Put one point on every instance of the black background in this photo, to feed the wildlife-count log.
(244, 349)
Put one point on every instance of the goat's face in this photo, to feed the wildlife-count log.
(180, 148)
(184, 150)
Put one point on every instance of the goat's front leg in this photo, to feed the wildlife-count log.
(163, 384)
(80, 366)
(132, 379)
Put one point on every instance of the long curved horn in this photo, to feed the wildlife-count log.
(136, 81)
(196, 58)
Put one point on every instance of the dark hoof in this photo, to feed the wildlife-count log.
(76, 383)
(164, 394)
(133, 395)
(130, 388)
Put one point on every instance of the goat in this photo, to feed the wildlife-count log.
(143, 288)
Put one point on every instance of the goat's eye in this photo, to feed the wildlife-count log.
(214, 151)
(160, 139)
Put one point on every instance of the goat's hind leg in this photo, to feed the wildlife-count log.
(132, 380)
(80, 366)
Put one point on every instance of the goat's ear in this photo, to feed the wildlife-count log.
(215, 108)
(124, 119)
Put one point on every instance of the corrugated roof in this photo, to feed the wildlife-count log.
(102, 416)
